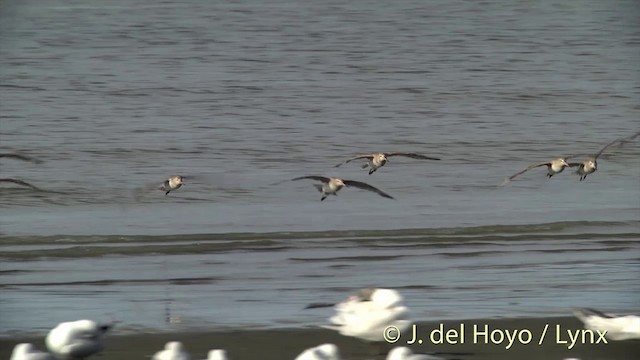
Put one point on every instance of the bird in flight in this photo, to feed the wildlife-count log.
(554, 166)
(331, 185)
(377, 160)
(172, 183)
(590, 165)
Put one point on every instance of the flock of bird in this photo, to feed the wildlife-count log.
(332, 185)
(366, 315)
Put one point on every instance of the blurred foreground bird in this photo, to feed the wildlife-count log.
(76, 339)
(369, 313)
(27, 351)
(321, 352)
(173, 350)
(616, 327)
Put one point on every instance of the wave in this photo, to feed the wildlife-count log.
(64, 246)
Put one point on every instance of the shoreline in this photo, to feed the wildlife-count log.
(287, 343)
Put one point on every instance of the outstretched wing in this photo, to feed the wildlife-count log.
(20, 182)
(369, 156)
(620, 141)
(574, 164)
(546, 163)
(413, 156)
(21, 157)
(312, 177)
(630, 138)
(614, 142)
(365, 186)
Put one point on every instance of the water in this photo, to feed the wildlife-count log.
(238, 95)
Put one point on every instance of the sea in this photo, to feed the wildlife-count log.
(241, 96)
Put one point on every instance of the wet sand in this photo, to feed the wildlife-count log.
(288, 343)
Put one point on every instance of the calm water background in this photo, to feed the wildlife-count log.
(116, 96)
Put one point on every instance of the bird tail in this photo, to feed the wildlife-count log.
(318, 187)
(364, 166)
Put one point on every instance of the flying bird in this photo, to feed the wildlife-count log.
(590, 165)
(172, 183)
(554, 166)
(377, 160)
(76, 339)
(21, 157)
(616, 327)
(331, 186)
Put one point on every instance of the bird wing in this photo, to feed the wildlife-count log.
(629, 138)
(574, 164)
(365, 186)
(368, 156)
(21, 157)
(614, 142)
(547, 163)
(312, 177)
(20, 182)
(413, 156)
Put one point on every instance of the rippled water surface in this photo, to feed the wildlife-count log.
(114, 97)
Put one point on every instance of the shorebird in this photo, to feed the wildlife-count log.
(331, 186)
(217, 354)
(172, 183)
(616, 327)
(173, 350)
(26, 351)
(21, 157)
(369, 314)
(321, 352)
(76, 339)
(590, 165)
(20, 182)
(554, 166)
(377, 160)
